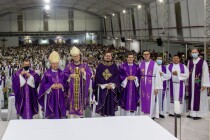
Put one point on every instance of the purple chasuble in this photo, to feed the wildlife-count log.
(146, 85)
(107, 98)
(129, 97)
(25, 97)
(54, 102)
(78, 88)
(197, 84)
(181, 84)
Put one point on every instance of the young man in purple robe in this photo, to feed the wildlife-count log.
(129, 99)
(179, 73)
(24, 84)
(106, 87)
(150, 83)
(78, 75)
(197, 86)
(52, 90)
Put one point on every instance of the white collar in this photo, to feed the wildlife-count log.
(54, 70)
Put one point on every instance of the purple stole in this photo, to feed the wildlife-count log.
(164, 85)
(197, 84)
(181, 84)
(146, 86)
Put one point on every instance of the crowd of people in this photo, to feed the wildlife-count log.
(61, 81)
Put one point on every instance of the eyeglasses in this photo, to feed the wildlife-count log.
(146, 54)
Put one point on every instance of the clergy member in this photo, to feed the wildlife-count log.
(106, 87)
(150, 83)
(179, 73)
(197, 86)
(129, 98)
(162, 93)
(78, 76)
(25, 83)
(51, 93)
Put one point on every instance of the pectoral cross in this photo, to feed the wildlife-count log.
(106, 74)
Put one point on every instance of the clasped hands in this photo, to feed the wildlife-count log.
(26, 73)
(131, 78)
(56, 86)
(175, 73)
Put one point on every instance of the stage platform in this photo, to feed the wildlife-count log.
(106, 128)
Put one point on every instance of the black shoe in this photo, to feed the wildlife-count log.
(179, 116)
(171, 115)
(161, 116)
(153, 118)
(196, 118)
(188, 116)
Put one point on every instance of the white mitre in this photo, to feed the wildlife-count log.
(54, 57)
(74, 51)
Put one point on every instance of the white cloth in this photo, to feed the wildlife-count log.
(176, 86)
(163, 102)
(156, 84)
(205, 82)
(30, 81)
(103, 86)
(118, 128)
(12, 113)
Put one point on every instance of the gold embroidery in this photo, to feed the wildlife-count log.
(76, 88)
(106, 74)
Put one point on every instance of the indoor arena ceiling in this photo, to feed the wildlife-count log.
(98, 7)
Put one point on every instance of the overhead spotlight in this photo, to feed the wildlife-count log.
(113, 14)
(47, 7)
(124, 11)
(139, 6)
(161, 1)
(104, 16)
(47, 1)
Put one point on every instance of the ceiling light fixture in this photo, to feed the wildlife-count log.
(124, 11)
(47, 7)
(139, 6)
(47, 1)
(113, 14)
(161, 1)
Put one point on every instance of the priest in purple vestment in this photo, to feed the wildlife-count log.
(197, 86)
(106, 87)
(129, 73)
(179, 73)
(52, 90)
(25, 83)
(150, 83)
(78, 75)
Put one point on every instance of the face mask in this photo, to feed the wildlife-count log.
(26, 68)
(194, 55)
(159, 62)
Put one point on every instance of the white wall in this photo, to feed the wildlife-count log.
(33, 20)
(86, 22)
(58, 21)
